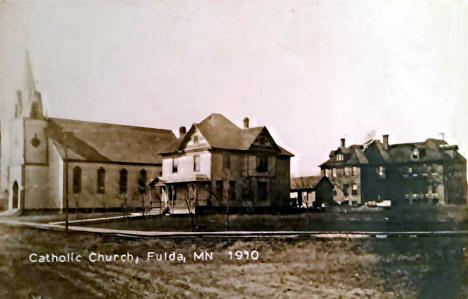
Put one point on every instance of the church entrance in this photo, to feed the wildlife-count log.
(15, 195)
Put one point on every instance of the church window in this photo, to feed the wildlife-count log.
(76, 179)
(123, 178)
(101, 177)
(142, 181)
(35, 111)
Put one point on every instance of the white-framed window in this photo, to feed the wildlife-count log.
(339, 157)
(415, 154)
(347, 171)
(381, 171)
(175, 165)
(354, 170)
(354, 190)
(334, 172)
(196, 163)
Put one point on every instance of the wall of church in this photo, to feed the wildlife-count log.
(36, 181)
(16, 137)
(55, 175)
(89, 197)
(4, 151)
(35, 141)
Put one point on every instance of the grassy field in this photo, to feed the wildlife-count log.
(355, 268)
(334, 220)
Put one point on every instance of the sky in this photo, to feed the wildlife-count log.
(311, 71)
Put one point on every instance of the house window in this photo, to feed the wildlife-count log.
(101, 177)
(333, 172)
(175, 165)
(339, 157)
(195, 139)
(196, 163)
(226, 161)
(142, 181)
(123, 175)
(415, 154)
(262, 164)
(345, 189)
(347, 171)
(354, 171)
(262, 191)
(232, 190)
(434, 188)
(434, 168)
(355, 189)
(219, 190)
(381, 171)
(323, 172)
(76, 180)
(410, 170)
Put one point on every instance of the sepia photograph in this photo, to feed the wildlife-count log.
(233, 149)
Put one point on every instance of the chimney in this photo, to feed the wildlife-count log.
(246, 122)
(182, 131)
(385, 141)
(343, 142)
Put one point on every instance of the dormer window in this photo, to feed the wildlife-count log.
(339, 157)
(415, 154)
(381, 171)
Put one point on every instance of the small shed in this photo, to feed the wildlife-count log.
(320, 186)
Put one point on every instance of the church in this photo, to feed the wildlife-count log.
(47, 160)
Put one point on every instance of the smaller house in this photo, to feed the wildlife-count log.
(311, 191)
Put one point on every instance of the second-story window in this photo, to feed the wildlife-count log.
(415, 154)
(354, 171)
(101, 178)
(347, 171)
(174, 165)
(339, 157)
(195, 139)
(333, 172)
(196, 163)
(226, 161)
(381, 171)
(262, 164)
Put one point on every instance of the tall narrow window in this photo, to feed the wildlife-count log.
(226, 161)
(333, 172)
(415, 154)
(262, 164)
(76, 179)
(232, 190)
(354, 171)
(355, 189)
(101, 177)
(175, 165)
(381, 171)
(219, 190)
(345, 189)
(142, 181)
(196, 163)
(123, 175)
(347, 171)
(262, 194)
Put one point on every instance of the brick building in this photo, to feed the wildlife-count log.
(431, 171)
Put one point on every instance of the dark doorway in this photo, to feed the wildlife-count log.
(15, 195)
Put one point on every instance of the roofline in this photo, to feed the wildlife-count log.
(114, 125)
(218, 149)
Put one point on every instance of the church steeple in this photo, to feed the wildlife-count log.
(29, 103)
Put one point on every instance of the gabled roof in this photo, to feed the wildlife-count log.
(307, 182)
(221, 133)
(102, 142)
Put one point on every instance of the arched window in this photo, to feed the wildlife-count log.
(142, 181)
(123, 181)
(101, 177)
(76, 179)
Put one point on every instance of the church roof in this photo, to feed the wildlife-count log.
(102, 142)
(221, 133)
